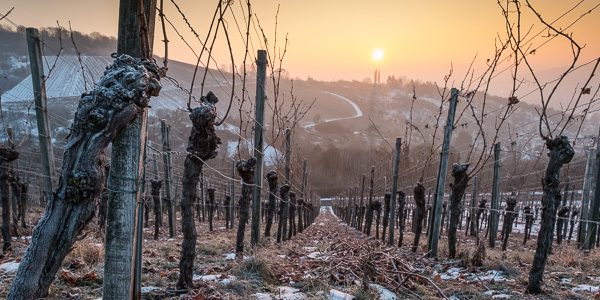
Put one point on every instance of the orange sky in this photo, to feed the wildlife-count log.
(334, 39)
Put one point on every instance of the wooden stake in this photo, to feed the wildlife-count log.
(394, 190)
(595, 206)
(589, 177)
(166, 141)
(433, 230)
(493, 219)
(126, 167)
(41, 108)
(261, 64)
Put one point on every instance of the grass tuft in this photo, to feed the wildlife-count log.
(255, 269)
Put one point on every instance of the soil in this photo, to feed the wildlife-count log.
(326, 256)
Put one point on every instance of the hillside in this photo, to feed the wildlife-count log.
(351, 121)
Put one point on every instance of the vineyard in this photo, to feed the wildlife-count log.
(127, 175)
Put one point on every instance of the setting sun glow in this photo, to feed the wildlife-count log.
(378, 54)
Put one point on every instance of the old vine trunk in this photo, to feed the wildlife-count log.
(272, 179)
(6, 156)
(561, 153)
(419, 192)
(246, 171)
(461, 180)
(202, 146)
(118, 99)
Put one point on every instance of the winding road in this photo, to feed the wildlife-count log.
(356, 109)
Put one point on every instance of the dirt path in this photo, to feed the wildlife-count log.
(330, 257)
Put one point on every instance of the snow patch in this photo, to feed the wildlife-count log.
(384, 294)
(148, 289)
(9, 267)
(339, 295)
(289, 293)
(270, 154)
(216, 278)
(586, 288)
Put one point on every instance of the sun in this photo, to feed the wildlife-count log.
(378, 54)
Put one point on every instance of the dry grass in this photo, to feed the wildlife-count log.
(239, 288)
(89, 250)
(258, 269)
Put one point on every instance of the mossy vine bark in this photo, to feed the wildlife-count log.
(202, 146)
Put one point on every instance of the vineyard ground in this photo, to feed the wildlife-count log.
(327, 256)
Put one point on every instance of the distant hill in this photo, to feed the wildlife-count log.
(14, 61)
(346, 126)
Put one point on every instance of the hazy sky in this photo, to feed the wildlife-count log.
(335, 39)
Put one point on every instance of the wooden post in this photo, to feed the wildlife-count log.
(159, 212)
(288, 154)
(232, 193)
(261, 64)
(139, 231)
(362, 197)
(493, 220)
(126, 167)
(202, 198)
(583, 218)
(286, 206)
(354, 207)
(394, 189)
(433, 230)
(474, 208)
(595, 206)
(370, 207)
(166, 147)
(41, 108)
(302, 206)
